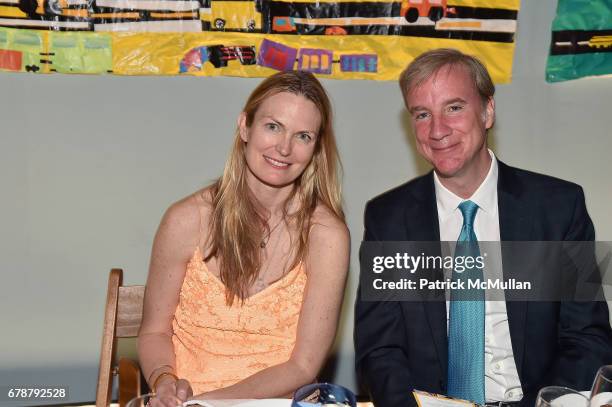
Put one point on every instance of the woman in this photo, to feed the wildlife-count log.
(247, 276)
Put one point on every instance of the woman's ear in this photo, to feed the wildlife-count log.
(242, 127)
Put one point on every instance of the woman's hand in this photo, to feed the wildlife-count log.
(171, 392)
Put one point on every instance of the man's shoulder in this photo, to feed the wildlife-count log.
(401, 194)
(537, 183)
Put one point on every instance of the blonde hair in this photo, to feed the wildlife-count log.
(239, 222)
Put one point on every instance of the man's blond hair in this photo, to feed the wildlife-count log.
(431, 62)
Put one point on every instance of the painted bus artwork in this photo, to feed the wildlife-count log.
(217, 55)
(260, 16)
(278, 56)
(345, 17)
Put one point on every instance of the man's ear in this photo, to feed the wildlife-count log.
(242, 127)
(489, 117)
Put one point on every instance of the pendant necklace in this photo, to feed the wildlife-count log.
(266, 238)
(260, 283)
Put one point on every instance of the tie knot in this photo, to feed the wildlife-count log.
(468, 210)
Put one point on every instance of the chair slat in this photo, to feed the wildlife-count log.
(129, 315)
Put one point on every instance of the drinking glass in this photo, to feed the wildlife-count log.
(601, 393)
(149, 399)
(558, 396)
(323, 394)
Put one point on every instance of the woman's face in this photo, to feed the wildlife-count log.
(280, 141)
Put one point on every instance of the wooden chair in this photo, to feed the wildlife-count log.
(122, 318)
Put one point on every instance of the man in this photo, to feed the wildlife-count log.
(401, 346)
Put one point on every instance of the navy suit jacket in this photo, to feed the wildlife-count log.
(401, 346)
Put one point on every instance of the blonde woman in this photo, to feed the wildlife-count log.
(247, 275)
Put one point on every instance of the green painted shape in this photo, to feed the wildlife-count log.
(583, 15)
(74, 52)
(580, 15)
(29, 42)
(82, 52)
(565, 67)
(3, 39)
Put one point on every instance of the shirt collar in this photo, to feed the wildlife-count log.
(485, 196)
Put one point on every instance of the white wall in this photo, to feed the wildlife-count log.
(89, 163)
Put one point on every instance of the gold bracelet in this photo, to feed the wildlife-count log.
(156, 369)
(162, 374)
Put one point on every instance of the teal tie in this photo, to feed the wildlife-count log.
(466, 320)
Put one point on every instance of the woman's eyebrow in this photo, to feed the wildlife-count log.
(274, 119)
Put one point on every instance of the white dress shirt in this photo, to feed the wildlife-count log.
(501, 377)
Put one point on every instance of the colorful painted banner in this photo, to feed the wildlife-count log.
(355, 39)
(581, 43)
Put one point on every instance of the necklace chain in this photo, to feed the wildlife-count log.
(260, 282)
(266, 238)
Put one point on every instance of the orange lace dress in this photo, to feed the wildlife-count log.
(216, 345)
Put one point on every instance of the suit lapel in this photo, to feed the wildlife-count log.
(514, 214)
(422, 225)
(422, 212)
(515, 225)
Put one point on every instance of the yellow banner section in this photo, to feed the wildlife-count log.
(9, 11)
(339, 1)
(231, 54)
(503, 4)
(235, 14)
(253, 39)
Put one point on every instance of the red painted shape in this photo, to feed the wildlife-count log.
(276, 58)
(10, 60)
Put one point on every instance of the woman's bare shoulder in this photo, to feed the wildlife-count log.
(328, 245)
(187, 214)
(325, 223)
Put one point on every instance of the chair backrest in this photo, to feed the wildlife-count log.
(122, 318)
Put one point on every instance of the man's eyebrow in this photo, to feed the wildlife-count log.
(455, 100)
(417, 108)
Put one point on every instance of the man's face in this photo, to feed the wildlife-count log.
(450, 122)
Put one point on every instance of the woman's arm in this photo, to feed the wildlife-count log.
(173, 246)
(327, 266)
